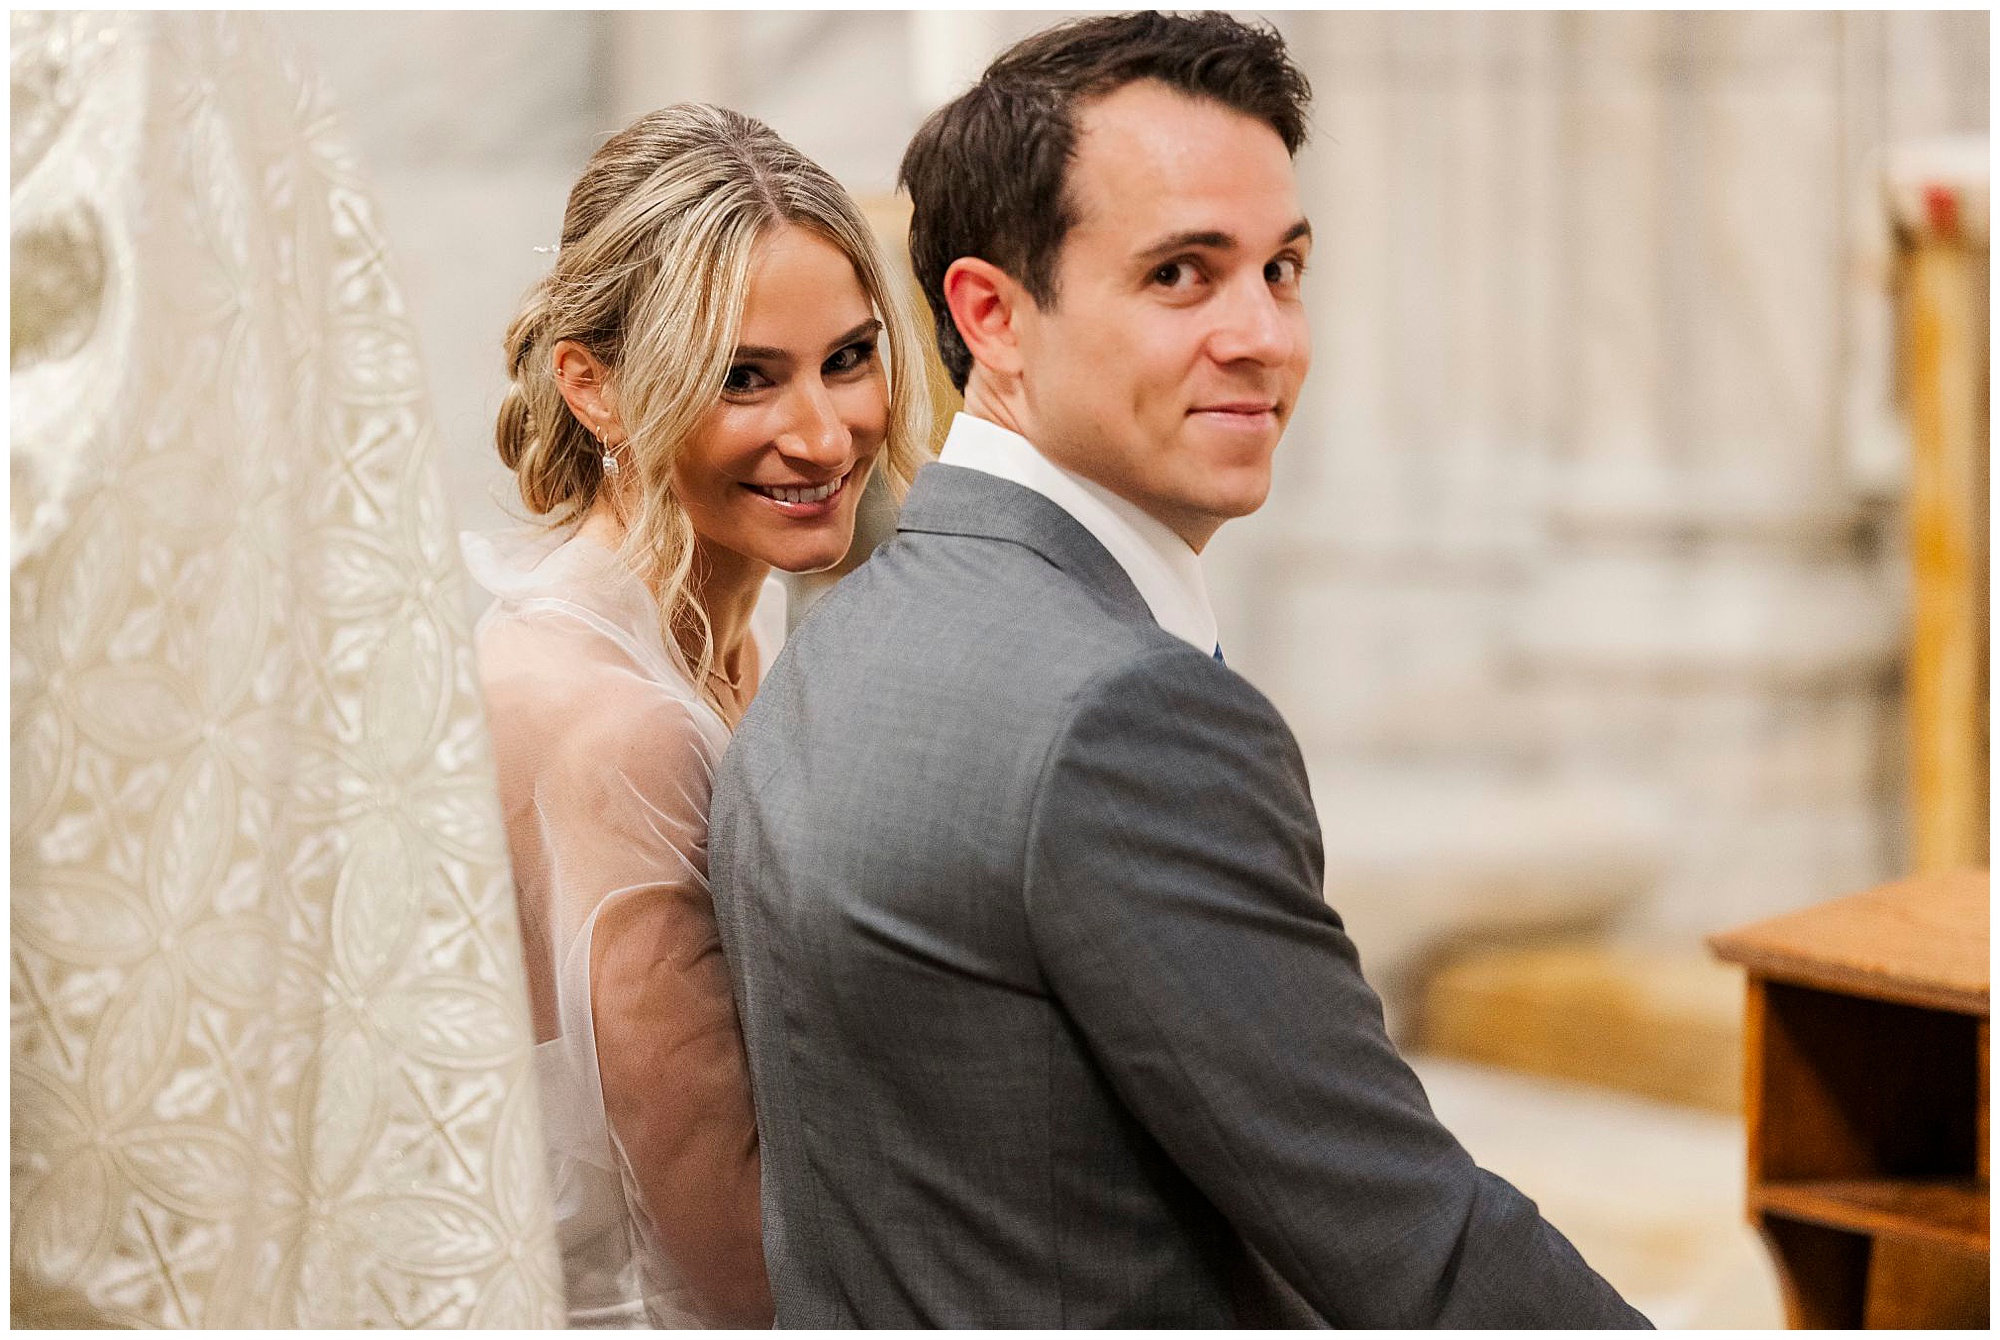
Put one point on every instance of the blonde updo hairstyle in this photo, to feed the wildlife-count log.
(650, 277)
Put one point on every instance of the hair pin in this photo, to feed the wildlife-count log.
(555, 250)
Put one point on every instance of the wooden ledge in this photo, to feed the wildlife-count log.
(1919, 941)
(1953, 1212)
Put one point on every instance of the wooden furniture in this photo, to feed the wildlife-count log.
(1866, 1045)
(1938, 200)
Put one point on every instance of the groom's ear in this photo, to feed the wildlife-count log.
(986, 302)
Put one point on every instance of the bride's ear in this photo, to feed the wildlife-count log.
(986, 304)
(585, 384)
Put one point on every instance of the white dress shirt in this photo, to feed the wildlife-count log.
(1159, 562)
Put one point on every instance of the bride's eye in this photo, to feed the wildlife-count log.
(851, 358)
(742, 379)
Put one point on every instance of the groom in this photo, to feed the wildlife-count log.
(1048, 1022)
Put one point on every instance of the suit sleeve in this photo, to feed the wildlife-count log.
(1173, 893)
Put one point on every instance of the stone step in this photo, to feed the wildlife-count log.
(1650, 1193)
(1665, 1023)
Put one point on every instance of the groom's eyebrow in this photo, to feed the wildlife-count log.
(1213, 240)
(764, 353)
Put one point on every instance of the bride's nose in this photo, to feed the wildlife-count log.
(817, 432)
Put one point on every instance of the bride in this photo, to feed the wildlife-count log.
(701, 388)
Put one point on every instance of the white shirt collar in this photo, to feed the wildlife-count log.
(1160, 563)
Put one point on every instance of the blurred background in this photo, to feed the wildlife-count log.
(1587, 583)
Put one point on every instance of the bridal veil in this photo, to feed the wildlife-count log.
(271, 1047)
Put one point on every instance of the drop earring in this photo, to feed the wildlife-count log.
(609, 461)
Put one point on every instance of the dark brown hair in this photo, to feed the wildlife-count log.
(987, 173)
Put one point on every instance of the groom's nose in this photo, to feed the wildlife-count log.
(1252, 326)
(817, 432)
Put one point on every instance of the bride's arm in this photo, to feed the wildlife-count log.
(669, 1051)
(677, 1094)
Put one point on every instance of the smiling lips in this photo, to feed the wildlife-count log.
(1243, 409)
(789, 497)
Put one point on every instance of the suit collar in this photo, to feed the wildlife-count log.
(1159, 562)
(952, 500)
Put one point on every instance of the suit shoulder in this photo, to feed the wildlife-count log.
(1163, 680)
(972, 607)
(1170, 722)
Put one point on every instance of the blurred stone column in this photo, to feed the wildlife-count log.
(474, 126)
(1371, 597)
(660, 57)
(1400, 518)
(1708, 617)
(948, 50)
(1577, 501)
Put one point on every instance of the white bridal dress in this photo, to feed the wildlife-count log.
(271, 1060)
(605, 754)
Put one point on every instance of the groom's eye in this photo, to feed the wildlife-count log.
(1174, 274)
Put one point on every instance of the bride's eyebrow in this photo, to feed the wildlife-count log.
(867, 328)
(763, 353)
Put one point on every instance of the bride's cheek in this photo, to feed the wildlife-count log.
(723, 452)
(867, 413)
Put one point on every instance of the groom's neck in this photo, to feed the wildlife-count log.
(1003, 401)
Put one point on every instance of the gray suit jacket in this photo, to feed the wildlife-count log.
(1048, 1022)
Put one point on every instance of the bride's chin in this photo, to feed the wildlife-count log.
(817, 560)
(815, 565)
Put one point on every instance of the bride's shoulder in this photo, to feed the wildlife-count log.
(574, 719)
(533, 573)
(573, 666)
(545, 671)
(566, 616)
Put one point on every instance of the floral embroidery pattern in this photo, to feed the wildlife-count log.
(270, 1051)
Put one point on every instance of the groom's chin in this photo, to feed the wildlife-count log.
(1238, 492)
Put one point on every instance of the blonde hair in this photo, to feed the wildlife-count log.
(650, 277)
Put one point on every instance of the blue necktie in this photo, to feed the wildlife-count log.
(1218, 655)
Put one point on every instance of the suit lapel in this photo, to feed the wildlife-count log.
(952, 500)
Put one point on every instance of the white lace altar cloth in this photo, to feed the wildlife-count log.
(270, 1044)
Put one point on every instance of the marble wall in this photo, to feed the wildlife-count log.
(473, 126)
(1590, 517)
(1581, 584)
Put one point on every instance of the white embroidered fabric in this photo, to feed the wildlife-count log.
(605, 754)
(271, 1056)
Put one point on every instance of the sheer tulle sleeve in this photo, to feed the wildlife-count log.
(605, 777)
